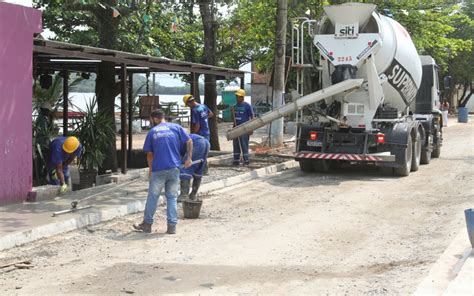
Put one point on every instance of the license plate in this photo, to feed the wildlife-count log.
(314, 143)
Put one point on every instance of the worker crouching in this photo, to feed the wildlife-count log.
(62, 151)
(194, 172)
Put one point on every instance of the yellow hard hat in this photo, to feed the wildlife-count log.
(187, 98)
(240, 93)
(71, 144)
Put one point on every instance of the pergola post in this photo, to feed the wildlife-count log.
(130, 115)
(65, 75)
(123, 116)
(193, 92)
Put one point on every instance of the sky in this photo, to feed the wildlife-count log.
(20, 2)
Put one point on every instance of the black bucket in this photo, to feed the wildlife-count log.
(192, 208)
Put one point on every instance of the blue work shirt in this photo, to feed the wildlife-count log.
(199, 142)
(57, 155)
(200, 114)
(243, 112)
(200, 151)
(165, 140)
(195, 137)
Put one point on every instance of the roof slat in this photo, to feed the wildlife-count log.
(60, 50)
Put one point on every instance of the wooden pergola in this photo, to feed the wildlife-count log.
(51, 56)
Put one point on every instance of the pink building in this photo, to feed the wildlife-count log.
(17, 25)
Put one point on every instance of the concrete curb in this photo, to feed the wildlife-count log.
(446, 268)
(45, 192)
(221, 159)
(463, 284)
(96, 216)
(258, 173)
(51, 229)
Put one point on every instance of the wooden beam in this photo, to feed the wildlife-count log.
(130, 115)
(123, 117)
(155, 64)
(65, 102)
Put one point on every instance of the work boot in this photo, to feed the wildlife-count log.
(144, 227)
(183, 195)
(236, 162)
(171, 229)
(196, 184)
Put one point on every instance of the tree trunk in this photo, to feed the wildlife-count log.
(210, 97)
(279, 72)
(105, 82)
(206, 8)
(466, 94)
(195, 87)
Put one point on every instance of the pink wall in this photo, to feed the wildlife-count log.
(17, 25)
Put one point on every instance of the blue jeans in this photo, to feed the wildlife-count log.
(200, 151)
(244, 141)
(169, 180)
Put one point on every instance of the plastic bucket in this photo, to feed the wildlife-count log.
(469, 214)
(192, 208)
(463, 114)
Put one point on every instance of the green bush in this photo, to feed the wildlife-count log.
(95, 132)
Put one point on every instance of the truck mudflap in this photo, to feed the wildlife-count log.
(374, 157)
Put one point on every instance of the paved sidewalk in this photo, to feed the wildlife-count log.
(26, 222)
(22, 223)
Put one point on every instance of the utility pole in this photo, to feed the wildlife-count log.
(276, 132)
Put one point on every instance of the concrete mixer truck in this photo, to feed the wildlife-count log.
(378, 102)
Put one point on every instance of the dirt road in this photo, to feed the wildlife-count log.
(350, 232)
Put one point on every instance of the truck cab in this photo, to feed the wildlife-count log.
(428, 96)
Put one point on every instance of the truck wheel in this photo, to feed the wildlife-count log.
(436, 148)
(404, 170)
(436, 151)
(426, 154)
(425, 157)
(306, 166)
(415, 163)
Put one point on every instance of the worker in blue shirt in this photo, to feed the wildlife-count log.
(195, 172)
(200, 115)
(163, 146)
(62, 151)
(242, 113)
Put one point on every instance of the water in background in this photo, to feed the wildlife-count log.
(79, 100)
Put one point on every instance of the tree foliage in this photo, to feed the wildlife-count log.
(245, 29)
(433, 27)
